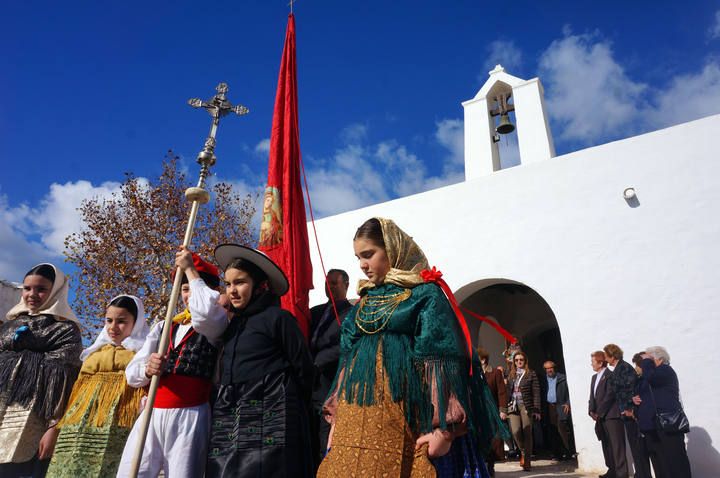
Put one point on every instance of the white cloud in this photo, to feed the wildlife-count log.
(348, 180)
(32, 234)
(263, 146)
(588, 93)
(18, 253)
(354, 133)
(360, 174)
(688, 97)
(29, 235)
(714, 30)
(406, 173)
(57, 216)
(450, 133)
(591, 99)
(505, 53)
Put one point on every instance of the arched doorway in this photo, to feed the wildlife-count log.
(521, 311)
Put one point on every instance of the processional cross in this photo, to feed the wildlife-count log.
(218, 106)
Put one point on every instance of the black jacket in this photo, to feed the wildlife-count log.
(261, 421)
(562, 397)
(622, 383)
(603, 403)
(325, 346)
(530, 389)
(663, 391)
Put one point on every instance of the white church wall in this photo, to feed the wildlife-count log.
(635, 276)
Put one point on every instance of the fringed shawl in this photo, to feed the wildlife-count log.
(38, 366)
(101, 394)
(423, 349)
(422, 357)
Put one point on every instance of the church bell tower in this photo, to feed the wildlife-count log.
(487, 117)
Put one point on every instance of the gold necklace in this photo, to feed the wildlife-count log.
(378, 309)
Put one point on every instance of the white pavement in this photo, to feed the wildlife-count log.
(541, 468)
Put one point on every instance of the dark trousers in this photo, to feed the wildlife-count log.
(668, 454)
(34, 468)
(613, 443)
(558, 429)
(497, 452)
(641, 459)
(320, 433)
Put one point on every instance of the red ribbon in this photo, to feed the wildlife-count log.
(508, 336)
(435, 276)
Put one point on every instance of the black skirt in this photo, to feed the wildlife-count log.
(260, 428)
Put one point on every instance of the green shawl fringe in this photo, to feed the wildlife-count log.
(412, 374)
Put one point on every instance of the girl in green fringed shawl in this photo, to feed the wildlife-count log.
(404, 403)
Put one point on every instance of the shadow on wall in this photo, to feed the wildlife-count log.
(704, 458)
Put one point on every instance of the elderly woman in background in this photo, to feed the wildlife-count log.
(666, 449)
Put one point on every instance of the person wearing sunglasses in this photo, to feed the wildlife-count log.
(524, 406)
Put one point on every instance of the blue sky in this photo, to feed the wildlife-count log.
(93, 89)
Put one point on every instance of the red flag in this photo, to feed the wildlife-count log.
(283, 231)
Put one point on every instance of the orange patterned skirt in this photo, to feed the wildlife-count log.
(375, 441)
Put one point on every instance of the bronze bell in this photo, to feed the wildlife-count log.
(505, 126)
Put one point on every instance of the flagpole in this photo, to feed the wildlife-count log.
(218, 107)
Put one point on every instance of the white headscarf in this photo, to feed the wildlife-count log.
(56, 303)
(136, 339)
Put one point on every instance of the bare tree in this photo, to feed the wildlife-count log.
(128, 242)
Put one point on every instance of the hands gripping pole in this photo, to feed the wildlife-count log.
(218, 107)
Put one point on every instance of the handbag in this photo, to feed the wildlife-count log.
(512, 406)
(671, 422)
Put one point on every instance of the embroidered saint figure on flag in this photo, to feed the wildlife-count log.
(271, 229)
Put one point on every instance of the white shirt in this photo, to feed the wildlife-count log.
(208, 319)
(598, 376)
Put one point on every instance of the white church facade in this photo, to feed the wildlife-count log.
(618, 243)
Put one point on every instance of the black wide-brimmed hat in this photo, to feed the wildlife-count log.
(226, 253)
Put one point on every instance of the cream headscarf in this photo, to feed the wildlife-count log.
(406, 258)
(56, 303)
(136, 339)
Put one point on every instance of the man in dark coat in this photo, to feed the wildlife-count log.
(604, 410)
(558, 404)
(325, 351)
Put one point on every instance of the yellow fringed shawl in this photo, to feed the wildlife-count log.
(101, 394)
